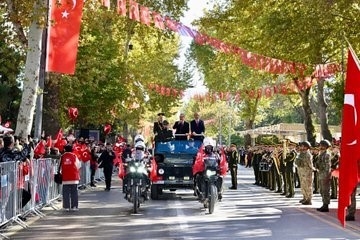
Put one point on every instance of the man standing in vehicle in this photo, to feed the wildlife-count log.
(158, 125)
(181, 127)
(197, 127)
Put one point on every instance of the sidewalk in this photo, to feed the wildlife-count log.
(98, 210)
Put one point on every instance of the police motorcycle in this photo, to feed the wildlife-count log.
(209, 183)
(136, 181)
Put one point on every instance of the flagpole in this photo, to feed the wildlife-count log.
(42, 75)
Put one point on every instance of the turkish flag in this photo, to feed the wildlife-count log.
(121, 7)
(48, 142)
(350, 135)
(60, 143)
(39, 149)
(153, 170)
(145, 15)
(223, 163)
(199, 161)
(158, 20)
(63, 37)
(106, 3)
(134, 13)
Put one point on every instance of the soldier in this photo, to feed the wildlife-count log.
(334, 180)
(305, 168)
(315, 153)
(256, 165)
(233, 159)
(324, 167)
(289, 171)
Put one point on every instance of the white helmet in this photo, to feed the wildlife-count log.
(138, 138)
(208, 142)
(140, 145)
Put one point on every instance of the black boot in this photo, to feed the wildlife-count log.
(324, 208)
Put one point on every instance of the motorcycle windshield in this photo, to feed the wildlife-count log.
(211, 162)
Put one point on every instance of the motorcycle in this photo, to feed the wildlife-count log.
(209, 183)
(136, 183)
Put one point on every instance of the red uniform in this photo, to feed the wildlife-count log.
(70, 165)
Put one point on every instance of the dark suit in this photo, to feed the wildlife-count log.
(183, 128)
(198, 128)
(158, 126)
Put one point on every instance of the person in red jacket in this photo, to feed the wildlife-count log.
(69, 166)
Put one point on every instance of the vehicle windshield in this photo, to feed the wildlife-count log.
(179, 158)
(178, 146)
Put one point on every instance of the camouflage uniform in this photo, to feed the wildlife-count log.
(324, 167)
(305, 169)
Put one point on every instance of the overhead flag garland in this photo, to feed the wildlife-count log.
(144, 15)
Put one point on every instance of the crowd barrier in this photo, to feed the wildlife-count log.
(27, 187)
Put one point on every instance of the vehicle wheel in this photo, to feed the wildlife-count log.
(155, 192)
(212, 198)
(136, 200)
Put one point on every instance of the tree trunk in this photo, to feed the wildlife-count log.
(31, 81)
(309, 126)
(322, 105)
(249, 124)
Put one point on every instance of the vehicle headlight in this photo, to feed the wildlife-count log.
(161, 171)
(132, 169)
(210, 172)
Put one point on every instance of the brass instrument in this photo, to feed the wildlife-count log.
(275, 156)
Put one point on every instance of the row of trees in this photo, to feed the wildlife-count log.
(309, 32)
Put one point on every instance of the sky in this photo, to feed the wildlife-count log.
(195, 12)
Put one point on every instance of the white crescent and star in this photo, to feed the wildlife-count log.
(65, 13)
(74, 4)
(349, 99)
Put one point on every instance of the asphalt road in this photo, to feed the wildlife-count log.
(250, 212)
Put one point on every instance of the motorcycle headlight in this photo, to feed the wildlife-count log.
(132, 169)
(161, 171)
(141, 169)
(210, 173)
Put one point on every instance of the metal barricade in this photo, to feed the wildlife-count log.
(8, 193)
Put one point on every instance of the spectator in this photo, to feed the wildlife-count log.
(9, 153)
(69, 167)
(106, 161)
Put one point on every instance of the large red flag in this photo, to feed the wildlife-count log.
(350, 135)
(63, 37)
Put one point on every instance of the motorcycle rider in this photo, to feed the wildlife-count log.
(199, 169)
(138, 155)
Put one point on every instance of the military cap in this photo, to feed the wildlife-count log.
(325, 143)
(306, 144)
(161, 114)
(165, 122)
